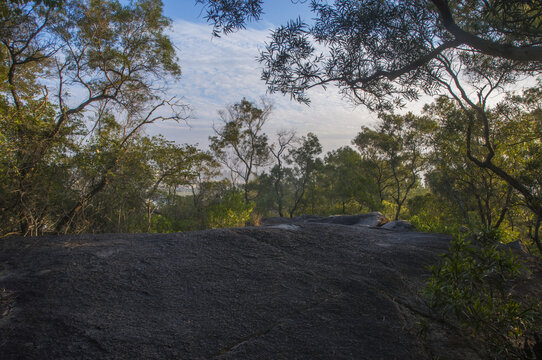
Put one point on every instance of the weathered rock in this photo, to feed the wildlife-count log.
(308, 218)
(516, 247)
(398, 225)
(371, 219)
(285, 227)
(286, 220)
(321, 291)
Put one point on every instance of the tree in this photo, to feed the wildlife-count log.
(203, 185)
(113, 56)
(174, 166)
(117, 145)
(285, 141)
(453, 176)
(305, 162)
(240, 143)
(519, 128)
(379, 52)
(122, 205)
(473, 286)
(398, 147)
(504, 140)
(347, 179)
(230, 210)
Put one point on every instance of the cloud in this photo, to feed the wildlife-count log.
(221, 71)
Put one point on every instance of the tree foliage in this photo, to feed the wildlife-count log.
(240, 143)
(79, 83)
(231, 211)
(305, 163)
(348, 181)
(396, 151)
(503, 142)
(381, 52)
(473, 286)
(463, 183)
(231, 15)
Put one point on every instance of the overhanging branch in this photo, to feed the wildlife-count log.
(488, 47)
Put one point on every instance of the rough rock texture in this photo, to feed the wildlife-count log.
(301, 290)
(398, 225)
(371, 219)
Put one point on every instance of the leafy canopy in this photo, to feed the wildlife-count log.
(380, 53)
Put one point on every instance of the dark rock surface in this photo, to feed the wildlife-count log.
(398, 225)
(301, 290)
(371, 219)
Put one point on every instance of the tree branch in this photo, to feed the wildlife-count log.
(510, 52)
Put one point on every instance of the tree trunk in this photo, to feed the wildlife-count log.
(536, 238)
(63, 226)
(398, 211)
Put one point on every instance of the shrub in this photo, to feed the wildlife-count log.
(473, 285)
(231, 211)
(160, 224)
(428, 221)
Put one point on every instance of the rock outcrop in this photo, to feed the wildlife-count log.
(398, 225)
(371, 219)
(300, 290)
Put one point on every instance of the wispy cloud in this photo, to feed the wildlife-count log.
(219, 72)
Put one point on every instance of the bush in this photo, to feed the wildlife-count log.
(160, 224)
(231, 211)
(429, 213)
(428, 221)
(473, 285)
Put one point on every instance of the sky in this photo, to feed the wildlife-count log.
(217, 72)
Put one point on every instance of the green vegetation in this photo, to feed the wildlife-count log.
(480, 151)
(60, 153)
(473, 285)
(79, 164)
(471, 161)
(232, 211)
(383, 54)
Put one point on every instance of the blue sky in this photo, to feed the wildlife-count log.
(275, 11)
(221, 71)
